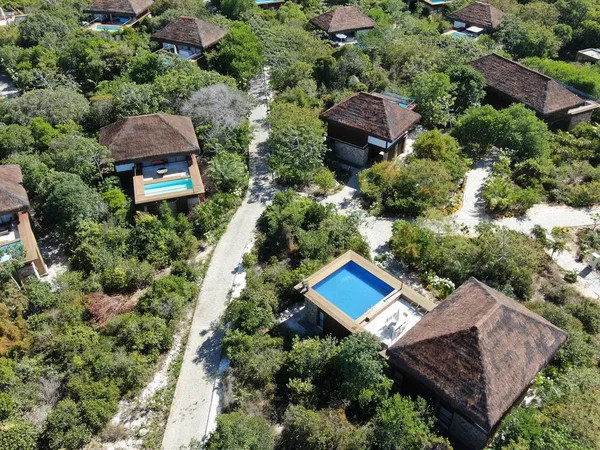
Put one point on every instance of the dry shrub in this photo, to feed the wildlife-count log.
(104, 307)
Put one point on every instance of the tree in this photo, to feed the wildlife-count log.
(15, 139)
(228, 172)
(523, 134)
(69, 202)
(401, 423)
(433, 92)
(40, 26)
(297, 143)
(79, 155)
(588, 312)
(478, 129)
(468, 87)
(523, 39)
(238, 431)
(64, 427)
(441, 147)
(239, 54)
(18, 435)
(55, 106)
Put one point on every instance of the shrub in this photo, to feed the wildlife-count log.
(209, 216)
(254, 309)
(324, 179)
(18, 435)
(185, 270)
(503, 197)
(571, 276)
(228, 172)
(7, 406)
(238, 431)
(141, 333)
(64, 427)
(588, 312)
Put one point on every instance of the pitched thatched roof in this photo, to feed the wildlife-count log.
(523, 85)
(190, 31)
(127, 7)
(479, 351)
(344, 18)
(480, 14)
(152, 136)
(13, 197)
(372, 114)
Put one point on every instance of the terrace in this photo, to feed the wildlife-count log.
(17, 235)
(169, 179)
(352, 295)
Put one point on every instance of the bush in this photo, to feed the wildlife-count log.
(237, 431)
(7, 406)
(185, 270)
(571, 276)
(209, 216)
(228, 172)
(588, 313)
(503, 197)
(254, 309)
(324, 179)
(141, 333)
(64, 427)
(167, 297)
(18, 435)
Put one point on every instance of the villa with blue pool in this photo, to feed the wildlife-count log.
(351, 295)
(368, 127)
(472, 356)
(155, 157)
(17, 241)
(112, 15)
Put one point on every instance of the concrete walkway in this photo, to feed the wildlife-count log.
(190, 416)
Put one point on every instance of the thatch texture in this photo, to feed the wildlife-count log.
(478, 351)
(13, 197)
(127, 7)
(479, 14)
(153, 136)
(373, 115)
(344, 18)
(190, 31)
(523, 85)
(104, 307)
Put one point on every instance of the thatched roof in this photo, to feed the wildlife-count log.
(153, 136)
(127, 7)
(190, 31)
(479, 14)
(373, 115)
(523, 85)
(344, 18)
(13, 197)
(478, 351)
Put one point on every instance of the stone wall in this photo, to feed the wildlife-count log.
(585, 117)
(350, 153)
(468, 433)
(310, 312)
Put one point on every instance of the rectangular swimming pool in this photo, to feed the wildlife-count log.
(353, 289)
(4, 256)
(168, 187)
(460, 35)
(110, 28)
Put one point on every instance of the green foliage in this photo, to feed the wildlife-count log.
(40, 295)
(117, 204)
(435, 100)
(254, 309)
(256, 358)
(209, 216)
(503, 197)
(402, 423)
(228, 172)
(167, 298)
(588, 313)
(239, 54)
(297, 143)
(324, 179)
(234, 9)
(583, 77)
(468, 87)
(40, 27)
(523, 39)
(144, 334)
(14, 139)
(7, 406)
(18, 435)
(321, 430)
(237, 431)
(436, 146)
(409, 190)
(65, 427)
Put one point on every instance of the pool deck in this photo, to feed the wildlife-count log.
(401, 293)
(24, 235)
(139, 181)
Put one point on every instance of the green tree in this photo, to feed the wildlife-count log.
(435, 100)
(234, 9)
(437, 146)
(588, 312)
(237, 431)
(401, 423)
(64, 427)
(239, 54)
(478, 129)
(468, 87)
(523, 39)
(40, 26)
(18, 435)
(79, 155)
(15, 139)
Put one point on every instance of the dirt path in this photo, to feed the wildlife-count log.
(192, 412)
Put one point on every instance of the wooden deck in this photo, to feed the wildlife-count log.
(29, 243)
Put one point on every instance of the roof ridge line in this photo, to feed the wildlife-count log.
(161, 116)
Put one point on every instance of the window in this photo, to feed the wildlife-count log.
(320, 318)
(445, 417)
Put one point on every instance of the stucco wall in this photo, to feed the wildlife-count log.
(475, 438)
(350, 153)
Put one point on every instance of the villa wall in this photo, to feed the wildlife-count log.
(352, 154)
(310, 312)
(467, 432)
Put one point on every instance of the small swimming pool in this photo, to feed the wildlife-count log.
(111, 28)
(460, 35)
(168, 187)
(262, 2)
(353, 289)
(4, 256)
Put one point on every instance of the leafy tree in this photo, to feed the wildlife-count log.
(254, 309)
(362, 370)
(18, 435)
(79, 155)
(237, 431)
(523, 39)
(64, 427)
(468, 87)
(40, 26)
(70, 201)
(435, 101)
(588, 312)
(14, 139)
(55, 106)
(239, 54)
(7, 406)
(478, 129)
(441, 147)
(401, 423)
(523, 133)
(297, 143)
(141, 333)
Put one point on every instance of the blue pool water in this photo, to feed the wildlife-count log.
(260, 2)
(168, 187)
(111, 28)
(4, 256)
(353, 289)
(460, 35)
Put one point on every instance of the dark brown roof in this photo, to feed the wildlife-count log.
(129, 7)
(140, 138)
(479, 351)
(13, 197)
(523, 85)
(372, 114)
(479, 14)
(190, 31)
(344, 18)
